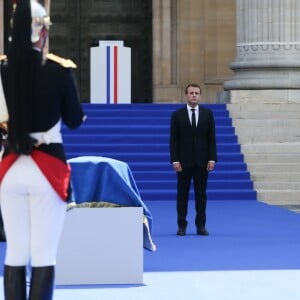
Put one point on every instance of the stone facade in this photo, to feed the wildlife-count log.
(264, 96)
(193, 41)
(268, 46)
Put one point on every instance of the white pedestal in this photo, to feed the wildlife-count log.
(110, 73)
(101, 246)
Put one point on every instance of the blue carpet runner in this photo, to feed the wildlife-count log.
(138, 134)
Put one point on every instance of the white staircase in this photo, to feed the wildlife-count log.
(269, 134)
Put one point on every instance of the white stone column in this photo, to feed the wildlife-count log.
(268, 46)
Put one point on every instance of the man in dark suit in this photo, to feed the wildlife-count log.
(193, 155)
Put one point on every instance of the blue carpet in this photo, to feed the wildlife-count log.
(244, 235)
(252, 253)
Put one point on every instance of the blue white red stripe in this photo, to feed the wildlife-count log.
(110, 74)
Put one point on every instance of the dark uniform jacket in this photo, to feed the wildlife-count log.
(55, 97)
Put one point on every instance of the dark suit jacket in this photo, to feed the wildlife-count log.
(189, 146)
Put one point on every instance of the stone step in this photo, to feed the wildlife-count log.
(288, 167)
(277, 185)
(279, 197)
(270, 141)
(271, 147)
(267, 131)
(266, 122)
(272, 158)
(264, 111)
(277, 176)
(270, 115)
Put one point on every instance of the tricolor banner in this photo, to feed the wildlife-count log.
(110, 73)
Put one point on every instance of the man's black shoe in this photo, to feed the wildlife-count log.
(202, 231)
(181, 231)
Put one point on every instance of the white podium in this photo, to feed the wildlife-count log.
(101, 246)
(110, 73)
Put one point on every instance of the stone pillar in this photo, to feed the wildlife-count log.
(268, 48)
(165, 51)
(162, 41)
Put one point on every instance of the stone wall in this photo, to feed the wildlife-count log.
(193, 41)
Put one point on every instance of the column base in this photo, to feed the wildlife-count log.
(264, 96)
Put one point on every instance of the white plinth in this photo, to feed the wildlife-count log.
(101, 246)
(110, 73)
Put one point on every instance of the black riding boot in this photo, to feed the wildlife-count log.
(14, 283)
(42, 283)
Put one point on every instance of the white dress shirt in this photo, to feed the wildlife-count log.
(189, 108)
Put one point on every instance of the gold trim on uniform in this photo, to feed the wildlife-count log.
(66, 63)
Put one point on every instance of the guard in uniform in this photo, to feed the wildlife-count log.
(40, 94)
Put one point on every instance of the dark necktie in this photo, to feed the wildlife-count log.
(193, 118)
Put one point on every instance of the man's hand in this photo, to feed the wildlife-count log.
(210, 166)
(177, 167)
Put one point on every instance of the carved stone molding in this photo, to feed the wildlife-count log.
(268, 45)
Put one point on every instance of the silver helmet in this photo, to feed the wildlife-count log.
(40, 19)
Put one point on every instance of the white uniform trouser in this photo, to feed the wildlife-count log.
(33, 215)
